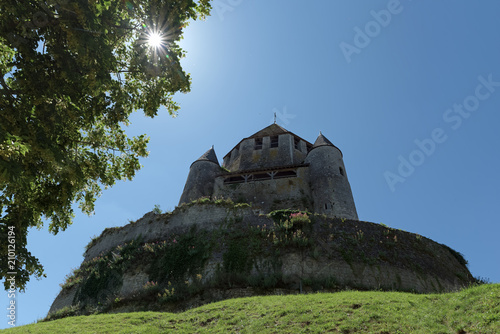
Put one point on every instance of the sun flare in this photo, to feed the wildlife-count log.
(155, 40)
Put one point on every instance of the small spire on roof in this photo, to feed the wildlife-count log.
(275, 117)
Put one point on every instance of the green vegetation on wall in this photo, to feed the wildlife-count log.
(179, 257)
(244, 252)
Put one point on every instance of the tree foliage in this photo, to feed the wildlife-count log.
(71, 74)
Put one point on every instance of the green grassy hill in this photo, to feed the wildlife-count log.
(472, 310)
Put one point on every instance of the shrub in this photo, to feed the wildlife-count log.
(151, 286)
(299, 218)
(157, 210)
(74, 277)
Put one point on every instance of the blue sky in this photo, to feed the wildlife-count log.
(406, 84)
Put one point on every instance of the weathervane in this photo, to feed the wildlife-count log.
(274, 117)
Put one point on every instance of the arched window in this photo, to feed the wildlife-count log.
(341, 171)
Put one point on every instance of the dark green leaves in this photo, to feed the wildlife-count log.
(71, 73)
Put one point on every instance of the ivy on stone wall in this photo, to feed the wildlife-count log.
(247, 252)
(180, 257)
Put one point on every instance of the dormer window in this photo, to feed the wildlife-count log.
(274, 141)
(258, 143)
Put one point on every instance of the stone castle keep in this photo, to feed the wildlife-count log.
(276, 169)
(278, 217)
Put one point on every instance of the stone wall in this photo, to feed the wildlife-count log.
(247, 157)
(330, 188)
(200, 181)
(268, 195)
(236, 248)
(153, 227)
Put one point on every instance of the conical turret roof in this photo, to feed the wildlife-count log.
(323, 141)
(209, 156)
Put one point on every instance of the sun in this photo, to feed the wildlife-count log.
(158, 36)
(155, 40)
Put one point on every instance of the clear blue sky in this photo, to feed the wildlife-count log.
(251, 58)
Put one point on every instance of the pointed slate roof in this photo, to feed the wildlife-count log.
(323, 141)
(271, 130)
(209, 156)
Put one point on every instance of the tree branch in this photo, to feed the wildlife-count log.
(114, 149)
(8, 89)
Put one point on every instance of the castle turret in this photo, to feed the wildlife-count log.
(201, 177)
(330, 189)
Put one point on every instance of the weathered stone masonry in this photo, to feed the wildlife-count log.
(379, 258)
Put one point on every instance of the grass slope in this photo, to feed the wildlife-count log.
(472, 310)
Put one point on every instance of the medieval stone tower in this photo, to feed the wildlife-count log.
(276, 169)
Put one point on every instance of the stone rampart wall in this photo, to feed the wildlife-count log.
(154, 227)
(332, 252)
